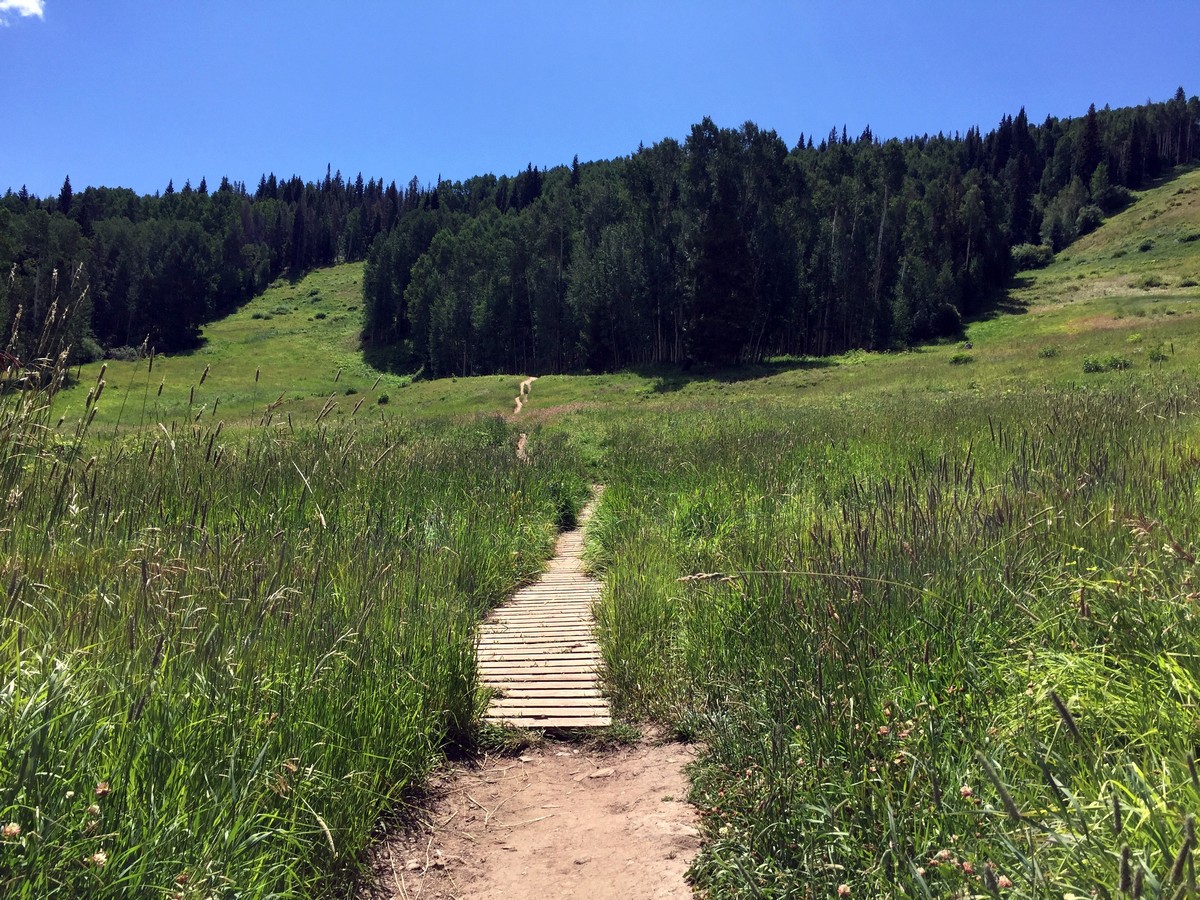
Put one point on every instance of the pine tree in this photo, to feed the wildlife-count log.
(65, 197)
(1087, 151)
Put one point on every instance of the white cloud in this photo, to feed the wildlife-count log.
(21, 8)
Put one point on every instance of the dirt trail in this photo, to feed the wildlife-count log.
(520, 399)
(559, 821)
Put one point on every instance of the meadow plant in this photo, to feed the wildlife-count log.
(925, 649)
(225, 654)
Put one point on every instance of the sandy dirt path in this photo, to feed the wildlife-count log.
(559, 821)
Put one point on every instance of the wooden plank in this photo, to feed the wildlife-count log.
(543, 693)
(527, 706)
(554, 721)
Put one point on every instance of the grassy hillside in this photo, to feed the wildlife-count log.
(1123, 292)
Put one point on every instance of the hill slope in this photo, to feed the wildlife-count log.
(1126, 292)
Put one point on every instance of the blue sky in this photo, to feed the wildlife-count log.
(118, 92)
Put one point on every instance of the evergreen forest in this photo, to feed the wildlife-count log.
(725, 248)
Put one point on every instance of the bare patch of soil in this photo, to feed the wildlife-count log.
(559, 821)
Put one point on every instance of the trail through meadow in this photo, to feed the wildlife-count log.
(560, 820)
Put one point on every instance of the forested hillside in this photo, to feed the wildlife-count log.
(156, 268)
(727, 247)
(730, 247)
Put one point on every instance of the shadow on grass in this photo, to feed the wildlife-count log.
(668, 379)
(1004, 303)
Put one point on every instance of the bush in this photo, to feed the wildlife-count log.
(1146, 246)
(124, 354)
(1089, 219)
(960, 359)
(1094, 364)
(1031, 256)
(1187, 282)
(1146, 282)
(88, 351)
(260, 315)
(383, 399)
(1048, 352)
(1188, 238)
(319, 316)
(1158, 354)
(1135, 338)
(946, 320)
(280, 311)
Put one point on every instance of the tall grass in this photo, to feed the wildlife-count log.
(932, 650)
(224, 655)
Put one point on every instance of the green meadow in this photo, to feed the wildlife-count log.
(931, 614)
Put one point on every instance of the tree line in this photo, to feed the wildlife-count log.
(726, 247)
(153, 269)
(730, 247)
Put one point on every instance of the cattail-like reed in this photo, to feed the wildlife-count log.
(1126, 882)
(1010, 805)
(204, 374)
(1065, 715)
(1116, 810)
(1181, 858)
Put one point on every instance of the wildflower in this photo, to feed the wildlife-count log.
(966, 791)
(70, 795)
(102, 789)
(968, 867)
(94, 810)
(843, 890)
(884, 731)
(1004, 881)
(99, 858)
(10, 831)
(182, 878)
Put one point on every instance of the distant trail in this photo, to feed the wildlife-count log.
(520, 400)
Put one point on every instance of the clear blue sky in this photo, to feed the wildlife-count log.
(118, 92)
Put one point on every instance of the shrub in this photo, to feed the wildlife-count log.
(1031, 256)
(383, 399)
(261, 315)
(1146, 282)
(88, 351)
(124, 354)
(1187, 282)
(959, 359)
(1188, 238)
(1135, 338)
(1093, 364)
(947, 320)
(1146, 246)
(280, 311)
(1158, 354)
(1049, 352)
(1089, 219)
(319, 315)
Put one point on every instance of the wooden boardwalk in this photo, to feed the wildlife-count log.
(539, 652)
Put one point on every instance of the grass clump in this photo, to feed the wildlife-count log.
(923, 652)
(223, 655)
